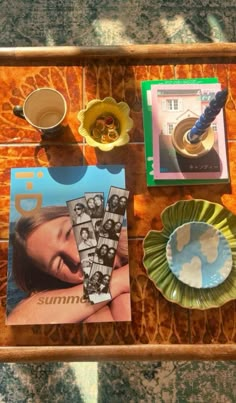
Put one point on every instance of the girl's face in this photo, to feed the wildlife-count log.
(123, 202)
(95, 277)
(103, 250)
(91, 204)
(108, 225)
(84, 235)
(106, 280)
(78, 210)
(115, 201)
(111, 253)
(98, 201)
(117, 227)
(52, 246)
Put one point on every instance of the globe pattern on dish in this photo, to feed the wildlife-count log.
(199, 255)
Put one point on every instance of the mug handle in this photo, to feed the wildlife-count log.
(18, 111)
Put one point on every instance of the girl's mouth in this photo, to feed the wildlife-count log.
(75, 268)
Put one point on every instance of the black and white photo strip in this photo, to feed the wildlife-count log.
(97, 285)
(117, 200)
(86, 258)
(95, 204)
(97, 230)
(105, 252)
(84, 234)
(97, 224)
(109, 232)
(103, 261)
(78, 210)
(111, 226)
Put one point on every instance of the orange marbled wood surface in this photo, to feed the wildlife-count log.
(18, 82)
(154, 320)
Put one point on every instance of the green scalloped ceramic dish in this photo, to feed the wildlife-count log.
(156, 264)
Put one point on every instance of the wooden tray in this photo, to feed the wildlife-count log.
(159, 329)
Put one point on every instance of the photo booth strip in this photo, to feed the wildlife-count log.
(86, 258)
(117, 200)
(95, 204)
(107, 244)
(86, 244)
(97, 286)
(78, 210)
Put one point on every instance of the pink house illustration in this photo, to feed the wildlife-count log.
(175, 105)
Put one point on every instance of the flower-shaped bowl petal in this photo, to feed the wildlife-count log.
(155, 259)
(105, 123)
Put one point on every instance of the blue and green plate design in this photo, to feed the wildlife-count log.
(200, 229)
(199, 255)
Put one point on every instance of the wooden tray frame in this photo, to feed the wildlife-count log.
(160, 54)
(68, 54)
(149, 352)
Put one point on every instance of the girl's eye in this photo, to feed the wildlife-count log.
(67, 235)
(59, 264)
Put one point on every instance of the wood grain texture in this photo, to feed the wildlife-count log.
(18, 82)
(184, 352)
(158, 51)
(159, 329)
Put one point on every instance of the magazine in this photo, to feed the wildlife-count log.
(173, 178)
(56, 220)
(176, 103)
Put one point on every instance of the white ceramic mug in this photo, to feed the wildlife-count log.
(45, 109)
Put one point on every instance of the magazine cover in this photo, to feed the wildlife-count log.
(176, 103)
(60, 223)
(146, 87)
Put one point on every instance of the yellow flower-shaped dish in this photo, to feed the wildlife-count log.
(105, 123)
(155, 254)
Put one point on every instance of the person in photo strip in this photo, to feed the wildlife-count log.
(86, 242)
(99, 288)
(86, 257)
(107, 235)
(95, 204)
